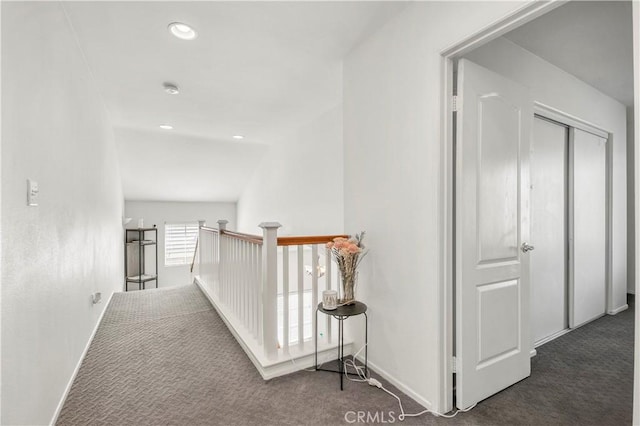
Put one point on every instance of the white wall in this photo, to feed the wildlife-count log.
(0, 216)
(631, 188)
(392, 114)
(636, 140)
(160, 212)
(56, 131)
(558, 89)
(299, 183)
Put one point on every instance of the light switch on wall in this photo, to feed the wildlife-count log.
(32, 193)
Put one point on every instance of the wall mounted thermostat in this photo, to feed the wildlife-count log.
(32, 193)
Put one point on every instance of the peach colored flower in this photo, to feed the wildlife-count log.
(340, 244)
(353, 249)
(329, 245)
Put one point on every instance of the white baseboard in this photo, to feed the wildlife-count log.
(75, 371)
(618, 310)
(552, 337)
(298, 358)
(395, 382)
(532, 353)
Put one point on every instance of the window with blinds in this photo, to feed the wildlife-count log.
(179, 243)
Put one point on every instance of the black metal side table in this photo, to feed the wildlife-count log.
(341, 313)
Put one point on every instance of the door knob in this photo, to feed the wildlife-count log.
(526, 247)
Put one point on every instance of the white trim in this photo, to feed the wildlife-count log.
(617, 310)
(75, 371)
(636, 160)
(569, 120)
(444, 340)
(532, 353)
(552, 337)
(515, 19)
(297, 359)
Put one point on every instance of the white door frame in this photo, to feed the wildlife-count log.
(446, 219)
(636, 179)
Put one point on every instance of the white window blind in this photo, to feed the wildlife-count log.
(179, 243)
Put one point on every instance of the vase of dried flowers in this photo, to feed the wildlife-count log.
(348, 253)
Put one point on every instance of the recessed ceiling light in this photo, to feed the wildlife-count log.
(166, 126)
(171, 89)
(182, 31)
(238, 137)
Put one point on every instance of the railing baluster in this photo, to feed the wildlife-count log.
(249, 294)
(258, 261)
(236, 278)
(285, 298)
(328, 276)
(244, 301)
(255, 289)
(314, 288)
(300, 295)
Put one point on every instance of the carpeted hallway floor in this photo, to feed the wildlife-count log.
(164, 357)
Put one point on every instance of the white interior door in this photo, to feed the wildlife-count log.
(549, 281)
(493, 133)
(588, 234)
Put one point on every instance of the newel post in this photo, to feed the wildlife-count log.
(270, 287)
(222, 284)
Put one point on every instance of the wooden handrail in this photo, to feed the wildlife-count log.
(195, 251)
(206, 228)
(282, 241)
(256, 239)
(311, 239)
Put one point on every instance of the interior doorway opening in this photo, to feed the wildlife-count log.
(568, 311)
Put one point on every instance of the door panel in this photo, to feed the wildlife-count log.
(549, 302)
(497, 338)
(497, 168)
(588, 239)
(492, 221)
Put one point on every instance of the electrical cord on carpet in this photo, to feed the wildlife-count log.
(373, 382)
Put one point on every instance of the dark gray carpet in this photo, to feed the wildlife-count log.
(164, 357)
(582, 378)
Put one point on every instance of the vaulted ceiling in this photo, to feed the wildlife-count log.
(256, 69)
(262, 69)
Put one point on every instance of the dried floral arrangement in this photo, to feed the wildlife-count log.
(348, 253)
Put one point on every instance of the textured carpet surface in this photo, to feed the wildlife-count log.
(164, 357)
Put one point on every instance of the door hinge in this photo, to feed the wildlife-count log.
(454, 365)
(454, 103)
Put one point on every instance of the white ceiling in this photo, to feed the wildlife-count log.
(593, 40)
(157, 165)
(258, 69)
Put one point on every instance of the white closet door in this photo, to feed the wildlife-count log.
(549, 303)
(588, 238)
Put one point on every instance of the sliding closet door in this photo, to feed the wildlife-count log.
(549, 164)
(588, 237)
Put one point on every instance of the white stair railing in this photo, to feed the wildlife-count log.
(267, 287)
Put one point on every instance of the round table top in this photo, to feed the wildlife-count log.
(345, 311)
